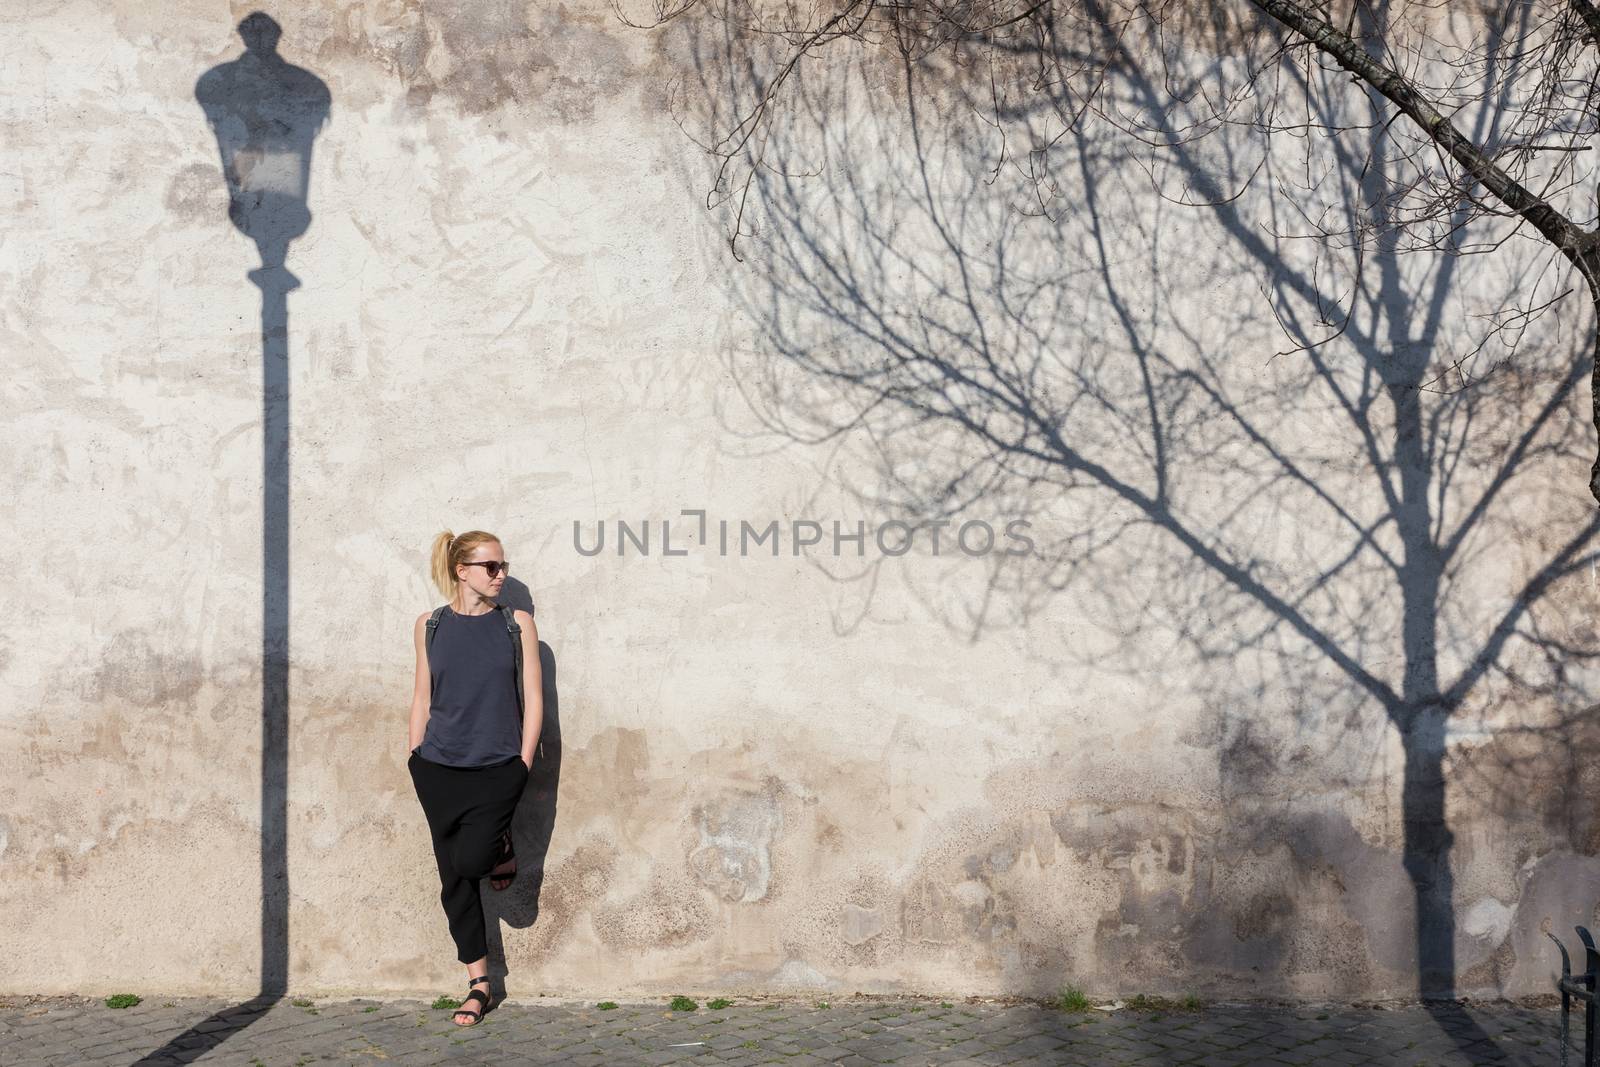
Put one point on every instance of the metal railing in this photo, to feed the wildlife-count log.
(1580, 987)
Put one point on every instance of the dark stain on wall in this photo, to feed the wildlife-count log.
(132, 671)
(487, 55)
(571, 890)
(668, 912)
(196, 194)
(1265, 915)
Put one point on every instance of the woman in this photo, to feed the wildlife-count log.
(471, 747)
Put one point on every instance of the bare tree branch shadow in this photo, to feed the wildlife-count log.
(1360, 534)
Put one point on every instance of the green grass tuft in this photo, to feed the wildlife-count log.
(718, 1004)
(683, 1004)
(122, 1000)
(444, 1003)
(607, 1005)
(1072, 999)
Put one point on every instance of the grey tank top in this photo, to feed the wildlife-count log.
(473, 719)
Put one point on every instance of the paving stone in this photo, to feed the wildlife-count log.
(51, 1032)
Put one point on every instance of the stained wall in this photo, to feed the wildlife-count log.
(815, 771)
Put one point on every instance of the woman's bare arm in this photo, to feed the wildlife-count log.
(422, 690)
(532, 687)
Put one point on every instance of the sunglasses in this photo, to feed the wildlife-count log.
(492, 567)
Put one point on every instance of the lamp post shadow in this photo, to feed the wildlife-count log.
(265, 113)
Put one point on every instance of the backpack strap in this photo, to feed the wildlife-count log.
(433, 624)
(516, 646)
(515, 631)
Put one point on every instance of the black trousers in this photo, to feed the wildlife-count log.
(467, 808)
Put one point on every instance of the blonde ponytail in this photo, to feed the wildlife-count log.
(449, 551)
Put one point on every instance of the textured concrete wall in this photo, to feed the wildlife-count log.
(1150, 759)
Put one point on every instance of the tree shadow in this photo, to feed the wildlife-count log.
(1357, 543)
(265, 113)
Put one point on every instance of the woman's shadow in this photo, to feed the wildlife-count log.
(535, 821)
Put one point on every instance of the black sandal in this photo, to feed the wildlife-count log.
(478, 994)
(505, 852)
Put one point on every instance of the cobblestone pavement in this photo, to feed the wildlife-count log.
(857, 1030)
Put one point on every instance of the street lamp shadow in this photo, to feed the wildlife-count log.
(265, 113)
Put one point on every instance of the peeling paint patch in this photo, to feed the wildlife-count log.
(859, 925)
(734, 857)
(1488, 920)
(798, 974)
(927, 914)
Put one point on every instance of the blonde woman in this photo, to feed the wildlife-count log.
(473, 737)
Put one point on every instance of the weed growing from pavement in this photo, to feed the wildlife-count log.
(1072, 999)
(446, 1002)
(718, 1004)
(683, 1004)
(607, 1005)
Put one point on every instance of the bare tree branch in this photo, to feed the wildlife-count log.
(1572, 240)
(1591, 18)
